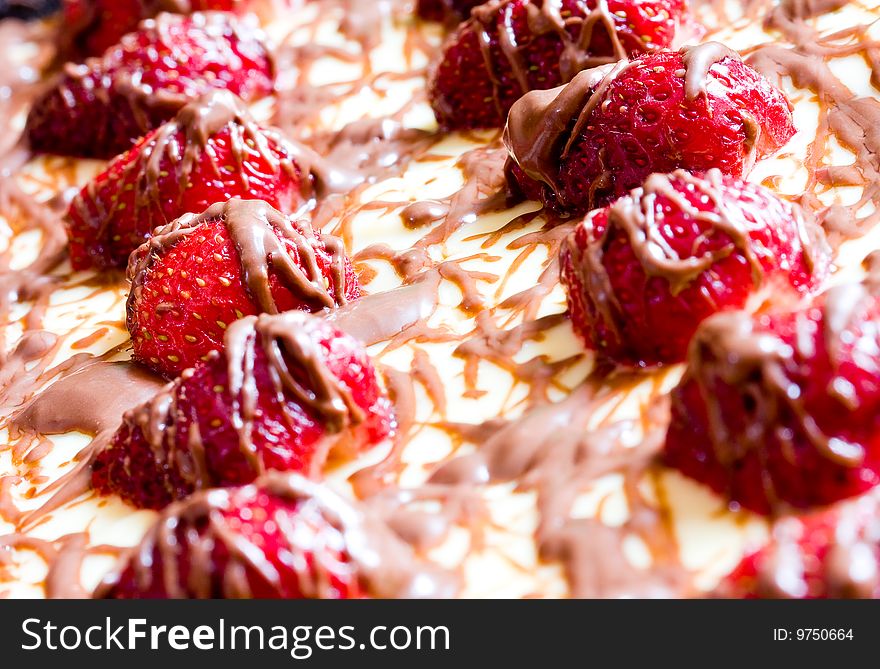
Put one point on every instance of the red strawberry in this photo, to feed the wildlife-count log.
(583, 145)
(238, 258)
(286, 391)
(449, 11)
(642, 273)
(281, 538)
(783, 410)
(211, 151)
(93, 26)
(98, 109)
(510, 47)
(833, 554)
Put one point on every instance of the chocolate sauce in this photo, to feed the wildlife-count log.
(297, 369)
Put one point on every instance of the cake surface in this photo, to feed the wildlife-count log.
(521, 465)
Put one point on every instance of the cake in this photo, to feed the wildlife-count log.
(420, 345)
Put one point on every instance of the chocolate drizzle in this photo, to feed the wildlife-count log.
(122, 100)
(639, 217)
(197, 121)
(852, 120)
(565, 461)
(493, 24)
(288, 343)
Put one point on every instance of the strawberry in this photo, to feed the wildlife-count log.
(677, 250)
(99, 108)
(93, 26)
(585, 144)
(447, 11)
(831, 554)
(201, 273)
(509, 47)
(283, 537)
(286, 391)
(211, 151)
(782, 410)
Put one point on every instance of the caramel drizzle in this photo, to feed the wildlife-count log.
(854, 121)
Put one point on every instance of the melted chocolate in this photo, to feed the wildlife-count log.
(146, 102)
(91, 399)
(544, 18)
(636, 216)
(733, 349)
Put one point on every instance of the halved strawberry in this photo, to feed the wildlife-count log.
(92, 26)
(585, 144)
(283, 537)
(644, 272)
(510, 47)
(202, 272)
(285, 391)
(101, 107)
(213, 150)
(831, 554)
(782, 410)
